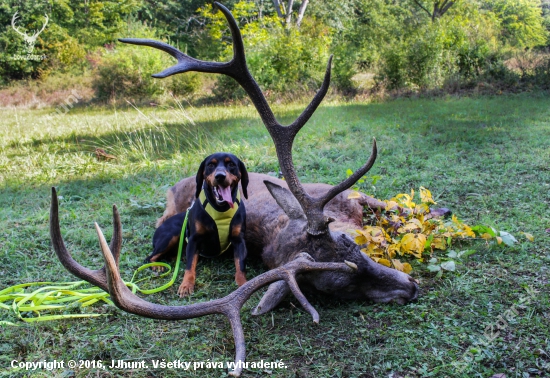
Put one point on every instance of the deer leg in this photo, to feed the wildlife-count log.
(188, 284)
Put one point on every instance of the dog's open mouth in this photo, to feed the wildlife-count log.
(223, 195)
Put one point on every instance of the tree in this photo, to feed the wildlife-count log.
(438, 7)
(285, 14)
(522, 23)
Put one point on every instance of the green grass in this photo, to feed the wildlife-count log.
(486, 158)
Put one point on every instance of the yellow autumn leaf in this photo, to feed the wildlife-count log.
(412, 225)
(373, 250)
(406, 200)
(375, 234)
(422, 208)
(529, 236)
(413, 244)
(426, 196)
(439, 243)
(360, 239)
(391, 205)
(402, 267)
(393, 248)
(486, 236)
(385, 262)
(354, 194)
(397, 219)
(468, 231)
(397, 264)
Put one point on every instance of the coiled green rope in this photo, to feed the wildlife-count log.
(64, 296)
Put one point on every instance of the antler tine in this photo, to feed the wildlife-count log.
(43, 27)
(15, 17)
(95, 277)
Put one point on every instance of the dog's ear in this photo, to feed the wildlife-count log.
(200, 178)
(244, 178)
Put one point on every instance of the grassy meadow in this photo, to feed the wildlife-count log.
(485, 158)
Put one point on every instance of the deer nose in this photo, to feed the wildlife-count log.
(220, 176)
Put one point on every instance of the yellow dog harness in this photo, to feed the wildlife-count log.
(222, 219)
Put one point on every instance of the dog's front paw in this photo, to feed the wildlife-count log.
(186, 288)
(240, 278)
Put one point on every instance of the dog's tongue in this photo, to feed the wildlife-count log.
(226, 195)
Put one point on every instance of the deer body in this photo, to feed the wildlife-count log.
(278, 238)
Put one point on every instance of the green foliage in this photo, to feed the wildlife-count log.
(125, 72)
(521, 21)
(431, 53)
(280, 58)
(394, 42)
(73, 28)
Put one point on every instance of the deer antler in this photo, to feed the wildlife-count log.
(108, 278)
(25, 35)
(43, 27)
(283, 136)
(15, 17)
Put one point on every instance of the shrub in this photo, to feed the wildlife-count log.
(542, 74)
(126, 72)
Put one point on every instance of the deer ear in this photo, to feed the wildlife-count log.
(286, 200)
(276, 292)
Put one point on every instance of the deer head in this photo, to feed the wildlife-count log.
(29, 39)
(308, 229)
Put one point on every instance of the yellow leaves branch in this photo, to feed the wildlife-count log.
(406, 229)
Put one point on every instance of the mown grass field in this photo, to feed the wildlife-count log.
(487, 159)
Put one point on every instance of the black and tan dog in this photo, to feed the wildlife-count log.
(216, 220)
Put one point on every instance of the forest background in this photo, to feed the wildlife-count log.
(380, 47)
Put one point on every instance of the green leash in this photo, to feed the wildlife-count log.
(65, 296)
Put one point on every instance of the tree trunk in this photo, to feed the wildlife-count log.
(277, 6)
(301, 12)
(289, 11)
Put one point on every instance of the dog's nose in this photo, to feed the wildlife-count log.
(220, 176)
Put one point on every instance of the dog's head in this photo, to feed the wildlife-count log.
(221, 173)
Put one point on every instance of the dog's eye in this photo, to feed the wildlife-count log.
(231, 164)
(211, 165)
